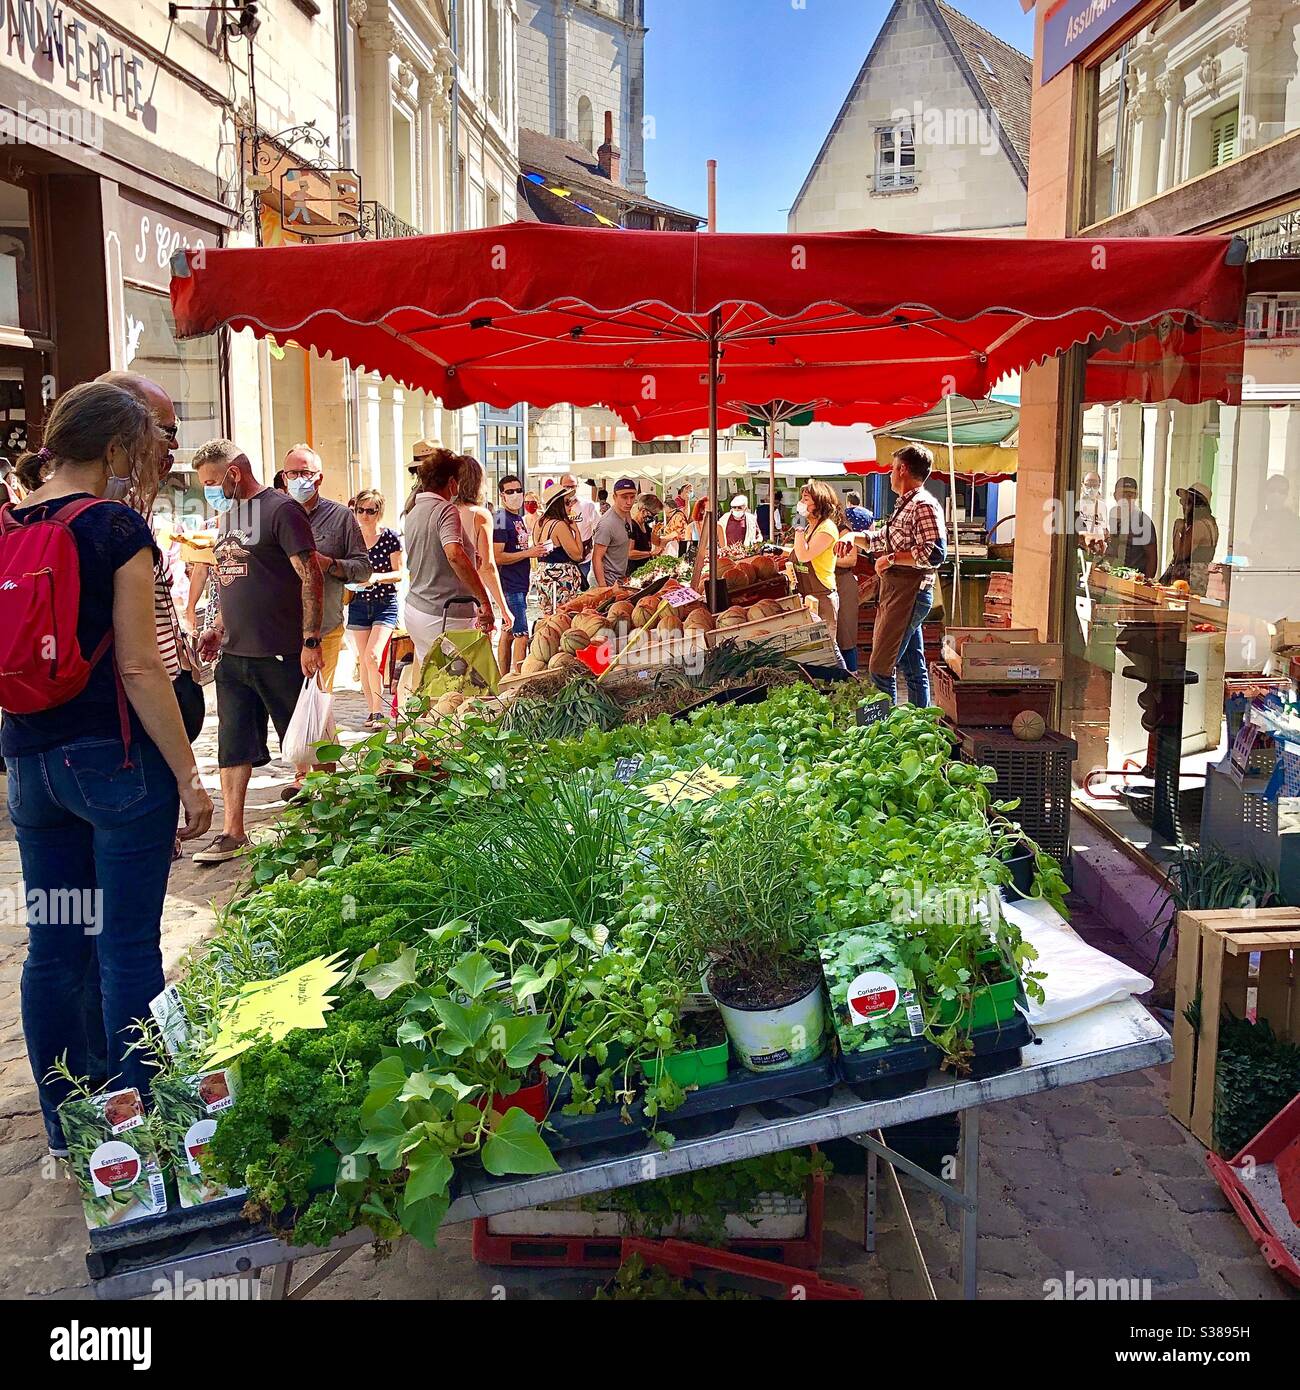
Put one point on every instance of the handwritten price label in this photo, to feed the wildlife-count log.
(700, 785)
(679, 598)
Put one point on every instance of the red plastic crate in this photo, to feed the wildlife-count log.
(605, 1252)
(988, 704)
(1246, 1184)
(683, 1260)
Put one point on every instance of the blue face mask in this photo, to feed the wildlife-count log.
(216, 498)
(302, 489)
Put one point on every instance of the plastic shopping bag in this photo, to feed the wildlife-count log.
(312, 723)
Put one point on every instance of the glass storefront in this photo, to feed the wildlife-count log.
(1200, 86)
(1184, 592)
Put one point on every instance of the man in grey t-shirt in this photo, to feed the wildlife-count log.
(612, 539)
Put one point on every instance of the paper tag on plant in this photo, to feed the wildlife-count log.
(872, 995)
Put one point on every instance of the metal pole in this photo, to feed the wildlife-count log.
(970, 1169)
(771, 479)
(952, 502)
(713, 195)
(715, 330)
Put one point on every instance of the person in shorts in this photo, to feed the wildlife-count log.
(372, 611)
(267, 628)
(514, 553)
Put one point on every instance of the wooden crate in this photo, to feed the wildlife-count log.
(1214, 950)
(1009, 654)
(794, 617)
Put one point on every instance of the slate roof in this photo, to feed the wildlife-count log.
(1006, 88)
(573, 166)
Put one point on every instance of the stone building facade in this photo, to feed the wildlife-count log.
(932, 137)
(579, 59)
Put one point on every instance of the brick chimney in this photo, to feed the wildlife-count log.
(608, 156)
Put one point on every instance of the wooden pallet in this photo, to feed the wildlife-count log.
(1214, 950)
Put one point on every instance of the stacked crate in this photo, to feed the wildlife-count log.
(997, 601)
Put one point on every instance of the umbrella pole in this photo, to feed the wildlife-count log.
(952, 502)
(715, 328)
(771, 479)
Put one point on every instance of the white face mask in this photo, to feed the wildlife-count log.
(118, 489)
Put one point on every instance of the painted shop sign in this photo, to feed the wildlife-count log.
(149, 236)
(61, 47)
(1074, 26)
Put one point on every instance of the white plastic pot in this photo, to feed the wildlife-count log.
(766, 1040)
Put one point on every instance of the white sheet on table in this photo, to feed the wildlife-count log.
(1079, 977)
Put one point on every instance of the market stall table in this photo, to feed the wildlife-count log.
(1105, 1041)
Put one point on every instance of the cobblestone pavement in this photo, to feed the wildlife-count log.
(1094, 1179)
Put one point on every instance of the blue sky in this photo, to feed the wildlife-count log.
(755, 84)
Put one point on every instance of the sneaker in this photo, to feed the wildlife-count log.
(224, 847)
(58, 1153)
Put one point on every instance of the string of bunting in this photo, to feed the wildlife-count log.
(556, 191)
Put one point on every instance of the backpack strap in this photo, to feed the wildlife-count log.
(66, 516)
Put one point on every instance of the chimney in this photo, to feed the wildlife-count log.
(608, 155)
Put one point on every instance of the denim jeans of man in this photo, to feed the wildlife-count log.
(911, 656)
(95, 840)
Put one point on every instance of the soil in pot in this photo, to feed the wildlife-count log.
(774, 1024)
(707, 1027)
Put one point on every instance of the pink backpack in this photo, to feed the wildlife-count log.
(42, 665)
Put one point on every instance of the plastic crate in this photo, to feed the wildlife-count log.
(1036, 774)
(988, 704)
(774, 1281)
(537, 1250)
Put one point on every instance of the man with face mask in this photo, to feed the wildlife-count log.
(340, 549)
(267, 629)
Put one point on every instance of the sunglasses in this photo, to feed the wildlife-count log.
(170, 432)
(512, 492)
(367, 511)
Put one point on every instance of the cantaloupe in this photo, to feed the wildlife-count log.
(531, 665)
(733, 617)
(574, 640)
(699, 620)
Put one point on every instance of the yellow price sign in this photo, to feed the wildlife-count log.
(268, 1010)
(699, 785)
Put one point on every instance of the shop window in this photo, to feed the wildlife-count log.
(19, 264)
(493, 209)
(895, 159)
(1201, 85)
(402, 165)
(495, 75)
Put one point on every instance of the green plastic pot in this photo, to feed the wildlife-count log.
(990, 1005)
(697, 1066)
(324, 1169)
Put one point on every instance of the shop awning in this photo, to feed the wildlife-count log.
(548, 314)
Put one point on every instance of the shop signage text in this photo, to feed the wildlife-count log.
(149, 238)
(1074, 26)
(58, 44)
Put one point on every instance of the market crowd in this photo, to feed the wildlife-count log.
(97, 746)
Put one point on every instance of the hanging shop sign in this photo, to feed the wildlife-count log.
(67, 51)
(1074, 26)
(320, 202)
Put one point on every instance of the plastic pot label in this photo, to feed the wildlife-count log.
(197, 1138)
(113, 1165)
(872, 995)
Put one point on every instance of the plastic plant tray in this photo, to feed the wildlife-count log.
(706, 1111)
(698, 1066)
(881, 1073)
(997, 1047)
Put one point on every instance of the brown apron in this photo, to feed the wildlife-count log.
(808, 585)
(899, 586)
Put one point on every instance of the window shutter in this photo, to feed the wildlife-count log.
(1223, 139)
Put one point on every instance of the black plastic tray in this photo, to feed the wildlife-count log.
(707, 1111)
(997, 1048)
(886, 1072)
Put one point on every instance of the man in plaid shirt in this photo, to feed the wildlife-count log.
(913, 537)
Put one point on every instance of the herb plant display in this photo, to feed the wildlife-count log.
(705, 1199)
(474, 876)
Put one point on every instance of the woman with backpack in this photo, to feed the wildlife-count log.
(98, 756)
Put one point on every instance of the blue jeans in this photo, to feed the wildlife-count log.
(911, 656)
(95, 840)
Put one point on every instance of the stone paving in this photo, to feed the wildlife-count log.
(1094, 1179)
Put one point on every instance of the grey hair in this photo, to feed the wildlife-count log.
(309, 451)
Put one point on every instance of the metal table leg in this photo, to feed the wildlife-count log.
(869, 1203)
(970, 1171)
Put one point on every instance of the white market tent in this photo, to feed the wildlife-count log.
(662, 471)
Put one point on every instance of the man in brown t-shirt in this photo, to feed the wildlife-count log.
(267, 628)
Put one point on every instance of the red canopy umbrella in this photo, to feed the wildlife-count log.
(647, 321)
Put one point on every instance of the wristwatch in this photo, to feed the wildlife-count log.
(311, 642)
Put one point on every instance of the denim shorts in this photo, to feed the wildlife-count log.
(373, 610)
(518, 603)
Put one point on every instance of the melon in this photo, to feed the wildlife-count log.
(1029, 726)
(531, 665)
(574, 640)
